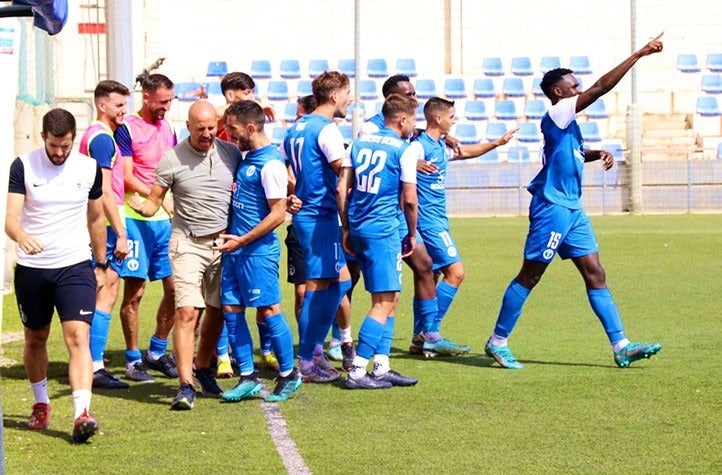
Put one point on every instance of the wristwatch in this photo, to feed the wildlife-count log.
(102, 265)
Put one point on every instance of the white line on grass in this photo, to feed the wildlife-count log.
(285, 445)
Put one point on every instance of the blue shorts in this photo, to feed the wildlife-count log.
(380, 262)
(70, 289)
(148, 244)
(114, 262)
(320, 239)
(441, 247)
(555, 229)
(250, 281)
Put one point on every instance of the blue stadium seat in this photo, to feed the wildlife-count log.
(182, 133)
(367, 90)
(352, 106)
(534, 109)
(712, 83)
(303, 88)
(513, 87)
(217, 69)
(289, 112)
(475, 110)
(580, 65)
(261, 69)
(597, 110)
(377, 68)
(466, 133)
(492, 67)
(187, 91)
(425, 88)
(521, 66)
(406, 66)
(454, 88)
(347, 67)
(708, 106)
(616, 149)
(590, 131)
(687, 63)
(714, 62)
(317, 66)
(378, 106)
(495, 130)
(528, 132)
(346, 132)
(278, 134)
(536, 87)
(483, 88)
(277, 90)
(518, 154)
(492, 156)
(290, 69)
(505, 109)
(213, 88)
(420, 111)
(548, 63)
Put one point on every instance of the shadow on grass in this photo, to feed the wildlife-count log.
(17, 422)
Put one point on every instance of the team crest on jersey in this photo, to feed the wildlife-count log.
(251, 170)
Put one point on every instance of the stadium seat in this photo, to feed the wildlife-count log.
(347, 67)
(290, 69)
(616, 149)
(536, 87)
(513, 87)
(187, 91)
(548, 63)
(406, 66)
(377, 68)
(580, 65)
(213, 89)
(289, 112)
(303, 88)
(492, 156)
(367, 90)
(378, 106)
(277, 90)
(597, 110)
(521, 66)
(346, 132)
(714, 62)
(466, 133)
(352, 106)
(495, 130)
(261, 69)
(534, 109)
(708, 106)
(483, 88)
(475, 110)
(317, 66)
(182, 133)
(505, 109)
(454, 88)
(518, 154)
(425, 88)
(217, 69)
(492, 67)
(687, 63)
(528, 132)
(278, 134)
(590, 131)
(712, 83)
(420, 111)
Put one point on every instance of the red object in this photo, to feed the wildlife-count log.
(91, 28)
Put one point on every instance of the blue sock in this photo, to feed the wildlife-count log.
(328, 306)
(306, 324)
(157, 345)
(131, 356)
(222, 345)
(445, 294)
(369, 337)
(418, 317)
(243, 345)
(231, 318)
(428, 309)
(99, 329)
(384, 346)
(335, 331)
(603, 305)
(280, 335)
(511, 305)
(264, 337)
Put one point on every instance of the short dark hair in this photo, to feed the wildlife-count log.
(108, 86)
(435, 104)
(247, 112)
(326, 83)
(391, 83)
(552, 77)
(237, 81)
(59, 123)
(399, 104)
(308, 103)
(153, 82)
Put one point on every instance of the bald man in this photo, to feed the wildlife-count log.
(199, 171)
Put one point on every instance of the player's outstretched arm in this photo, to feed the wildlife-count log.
(474, 150)
(594, 155)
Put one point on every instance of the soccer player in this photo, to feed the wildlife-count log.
(315, 148)
(142, 139)
(111, 102)
(55, 215)
(250, 275)
(380, 172)
(199, 172)
(557, 221)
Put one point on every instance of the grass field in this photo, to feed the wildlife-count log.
(571, 410)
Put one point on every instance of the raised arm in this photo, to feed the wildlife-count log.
(474, 150)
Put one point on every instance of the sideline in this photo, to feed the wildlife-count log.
(285, 445)
(9, 337)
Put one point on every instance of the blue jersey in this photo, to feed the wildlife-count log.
(560, 179)
(261, 176)
(380, 164)
(311, 144)
(430, 187)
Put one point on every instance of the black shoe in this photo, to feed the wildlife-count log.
(395, 379)
(366, 382)
(349, 354)
(165, 364)
(184, 398)
(207, 380)
(102, 379)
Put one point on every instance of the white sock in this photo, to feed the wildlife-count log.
(620, 345)
(40, 391)
(98, 365)
(346, 335)
(498, 341)
(153, 356)
(81, 401)
(381, 364)
(359, 367)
